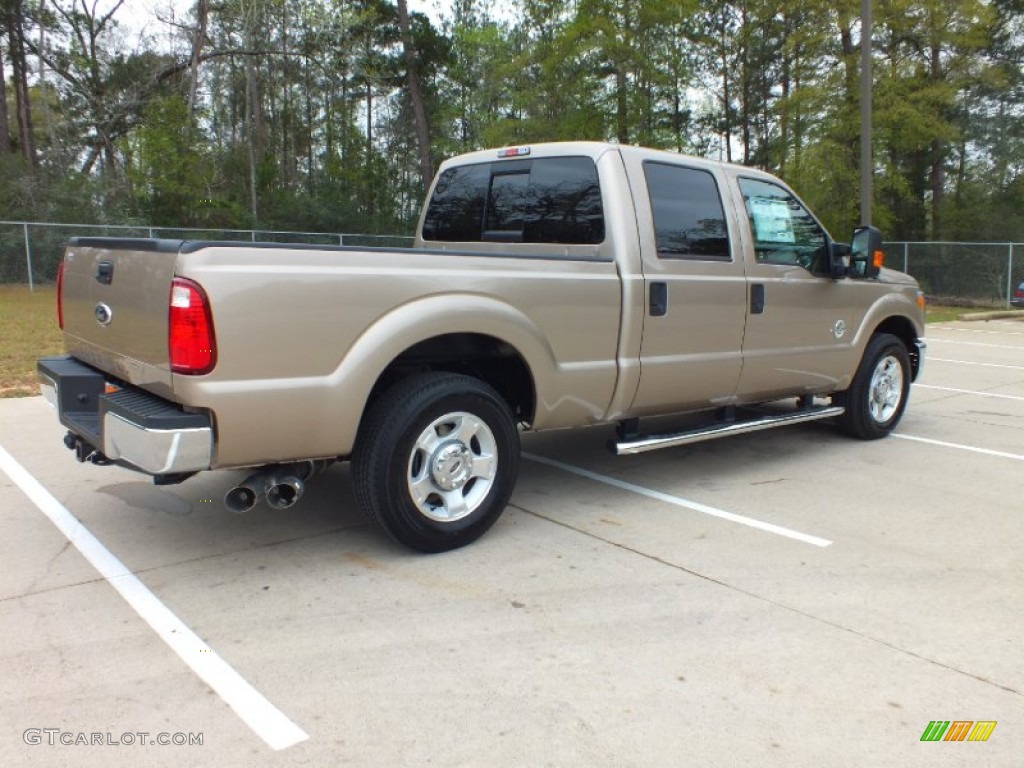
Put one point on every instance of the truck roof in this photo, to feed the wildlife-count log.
(592, 149)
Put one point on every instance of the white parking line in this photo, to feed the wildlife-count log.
(931, 359)
(970, 392)
(1017, 347)
(979, 330)
(958, 446)
(681, 502)
(268, 722)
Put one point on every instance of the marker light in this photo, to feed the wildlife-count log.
(514, 152)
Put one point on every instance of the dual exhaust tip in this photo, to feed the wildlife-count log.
(282, 486)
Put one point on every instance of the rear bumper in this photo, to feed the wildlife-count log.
(128, 425)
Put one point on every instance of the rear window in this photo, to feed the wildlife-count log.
(549, 200)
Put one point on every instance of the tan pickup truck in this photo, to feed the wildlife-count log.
(557, 285)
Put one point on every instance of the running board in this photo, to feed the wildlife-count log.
(642, 444)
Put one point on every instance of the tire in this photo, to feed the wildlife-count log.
(878, 395)
(435, 460)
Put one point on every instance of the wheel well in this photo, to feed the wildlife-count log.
(483, 357)
(903, 329)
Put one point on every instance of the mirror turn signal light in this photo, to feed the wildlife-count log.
(879, 259)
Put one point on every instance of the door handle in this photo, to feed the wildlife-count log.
(757, 299)
(659, 299)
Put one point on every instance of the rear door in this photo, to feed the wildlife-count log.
(694, 285)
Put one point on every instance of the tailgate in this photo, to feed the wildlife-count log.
(115, 298)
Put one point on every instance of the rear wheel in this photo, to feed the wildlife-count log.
(878, 395)
(436, 459)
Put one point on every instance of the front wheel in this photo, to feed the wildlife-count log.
(435, 461)
(878, 395)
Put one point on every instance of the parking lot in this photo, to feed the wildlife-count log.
(791, 597)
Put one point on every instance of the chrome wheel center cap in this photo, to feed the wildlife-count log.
(452, 466)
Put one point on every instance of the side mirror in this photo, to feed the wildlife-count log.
(838, 253)
(866, 253)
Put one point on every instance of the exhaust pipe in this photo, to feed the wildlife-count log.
(282, 485)
(245, 496)
(283, 492)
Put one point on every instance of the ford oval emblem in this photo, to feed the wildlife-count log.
(103, 314)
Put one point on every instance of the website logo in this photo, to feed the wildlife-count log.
(958, 730)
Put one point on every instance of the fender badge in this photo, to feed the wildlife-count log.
(839, 329)
(103, 314)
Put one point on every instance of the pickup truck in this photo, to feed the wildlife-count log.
(549, 286)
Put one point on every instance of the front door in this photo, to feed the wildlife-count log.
(801, 324)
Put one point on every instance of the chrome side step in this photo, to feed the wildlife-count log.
(642, 444)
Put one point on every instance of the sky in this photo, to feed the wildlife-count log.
(142, 15)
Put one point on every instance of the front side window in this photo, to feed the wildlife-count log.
(689, 221)
(784, 231)
(548, 200)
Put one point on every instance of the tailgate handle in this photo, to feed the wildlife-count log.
(105, 272)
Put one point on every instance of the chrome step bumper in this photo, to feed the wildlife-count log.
(124, 425)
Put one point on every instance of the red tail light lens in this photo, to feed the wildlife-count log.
(190, 341)
(60, 295)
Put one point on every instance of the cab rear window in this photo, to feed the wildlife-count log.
(548, 200)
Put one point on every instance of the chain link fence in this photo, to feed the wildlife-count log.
(958, 274)
(31, 251)
(961, 274)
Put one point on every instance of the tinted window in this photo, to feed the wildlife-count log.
(457, 205)
(784, 231)
(506, 207)
(550, 200)
(689, 222)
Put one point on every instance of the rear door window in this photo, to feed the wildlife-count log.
(548, 200)
(689, 220)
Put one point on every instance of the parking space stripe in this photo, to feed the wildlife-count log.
(678, 501)
(958, 446)
(931, 359)
(970, 392)
(975, 344)
(266, 720)
(980, 330)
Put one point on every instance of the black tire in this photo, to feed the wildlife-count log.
(435, 460)
(878, 395)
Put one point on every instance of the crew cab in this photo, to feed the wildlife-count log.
(550, 286)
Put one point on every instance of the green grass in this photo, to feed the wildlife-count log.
(28, 329)
(941, 314)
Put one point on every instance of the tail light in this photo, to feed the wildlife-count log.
(60, 295)
(190, 343)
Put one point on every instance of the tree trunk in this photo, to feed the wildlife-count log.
(938, 157)
(419, 111)
(745, 84)
(19, 72)
(5, 136)
(254, 125)
(198, 42)
(726, 106)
